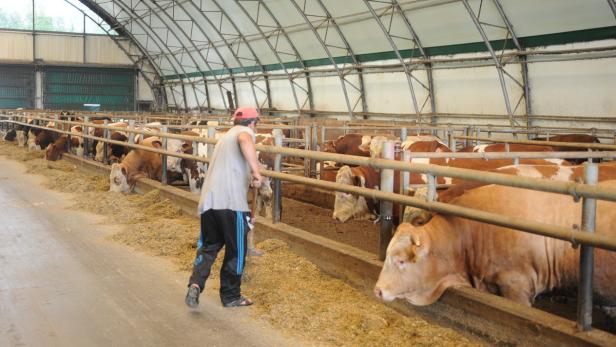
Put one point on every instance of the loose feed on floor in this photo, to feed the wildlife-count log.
(290, 292)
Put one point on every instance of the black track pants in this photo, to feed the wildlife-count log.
(222, 228)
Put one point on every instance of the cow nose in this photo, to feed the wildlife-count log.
(378, 293)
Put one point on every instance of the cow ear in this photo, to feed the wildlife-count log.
(124, 172)
(157, 144)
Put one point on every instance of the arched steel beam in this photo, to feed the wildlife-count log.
(118, 28)
(148, 13)
(132, 17)
(255, 22)
(278, 29)
(137, 62)
(239, 59)
(198, 51)
(497, 63)
(612, 4)
(329, 20)
(392, 10)
(521, 58)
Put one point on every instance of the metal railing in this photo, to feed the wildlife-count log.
(589, 191)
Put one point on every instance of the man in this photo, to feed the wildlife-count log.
(225, 212)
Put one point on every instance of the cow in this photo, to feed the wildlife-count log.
(423, 261)
(501, 147)
(115, 152)
(138, 163)
(327, 171)
(347, 206)
(607, 171)
(572, 138)
(10, 135)
(579, 138)
(45, 138)
(32, 139)
(349, 144)
(100, 132)
(55, 150)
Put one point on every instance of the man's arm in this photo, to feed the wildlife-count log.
(250, 154)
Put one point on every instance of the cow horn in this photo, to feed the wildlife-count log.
(420, 217)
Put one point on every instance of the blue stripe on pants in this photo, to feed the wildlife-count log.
(239, 220)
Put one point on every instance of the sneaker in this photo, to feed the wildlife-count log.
(192, 297)
(241, 301)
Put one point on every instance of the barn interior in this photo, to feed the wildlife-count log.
(486, 126)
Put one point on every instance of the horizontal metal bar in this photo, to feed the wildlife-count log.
(514, 155)
(545, 143)
(565, 234)
(568, 188)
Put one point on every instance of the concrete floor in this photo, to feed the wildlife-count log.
(63, 284)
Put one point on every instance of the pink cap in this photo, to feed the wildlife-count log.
(245, 113)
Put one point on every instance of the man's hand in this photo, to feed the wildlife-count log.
(256, 180)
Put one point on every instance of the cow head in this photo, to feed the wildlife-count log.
(118, 179)
(329, 146)
(99, 151)
(32, 141)
(347, 206)
(417, 267)
(265, 190)
(21, 138)
(53, 152)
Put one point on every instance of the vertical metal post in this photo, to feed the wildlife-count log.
(386, 207)
(477, 134)
(277, 210)
(454, 144)
(86, 131)
(308, 147)
(211, 134)
(131, 136)
(431, 196)
(516, 161)
(106, 136)
(589, 210)
(507, 147)
(404, 175)
(448, 137)
(467, 133)
(164, 179)
(313, 144)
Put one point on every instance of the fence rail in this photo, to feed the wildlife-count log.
(588, 191)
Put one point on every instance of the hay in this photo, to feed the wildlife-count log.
(294, 294)
(289, 291)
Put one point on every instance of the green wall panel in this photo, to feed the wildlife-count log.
(16, 86)
(71, 88)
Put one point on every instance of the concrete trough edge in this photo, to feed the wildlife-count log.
(362, 268)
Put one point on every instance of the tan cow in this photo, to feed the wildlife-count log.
(423, 261)
(138, 163)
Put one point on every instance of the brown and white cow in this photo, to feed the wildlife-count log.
(501, 147)
(350, 144)
(348, 206)
(55, 150)
(423, 261)
(137, 164)
(115, 152)
(45, 138)
(607, 171)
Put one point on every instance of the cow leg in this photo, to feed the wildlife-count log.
(516, 286)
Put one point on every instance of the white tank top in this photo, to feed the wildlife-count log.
(228, 175)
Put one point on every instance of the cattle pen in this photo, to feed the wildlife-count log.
(421, 173)
(576, 190)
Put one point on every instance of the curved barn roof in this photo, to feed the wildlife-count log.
(223, 42)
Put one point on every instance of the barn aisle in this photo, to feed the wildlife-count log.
(63, 283)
